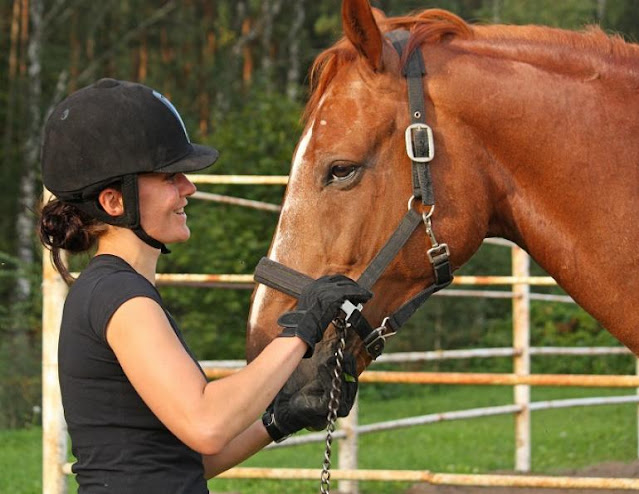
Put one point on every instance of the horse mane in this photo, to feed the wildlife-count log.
(589, 53)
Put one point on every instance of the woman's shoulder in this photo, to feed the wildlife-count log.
(103, 287)
(108, 275)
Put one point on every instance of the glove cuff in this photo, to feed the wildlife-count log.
(268, 419)
(290, 323)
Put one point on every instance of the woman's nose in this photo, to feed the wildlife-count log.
(187, 187)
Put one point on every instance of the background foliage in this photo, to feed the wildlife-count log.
(236, 69)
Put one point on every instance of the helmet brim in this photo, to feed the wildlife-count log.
(199, 158)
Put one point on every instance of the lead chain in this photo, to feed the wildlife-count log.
(333, 405)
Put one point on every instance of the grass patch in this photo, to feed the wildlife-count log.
(562, 439)
(21, 461)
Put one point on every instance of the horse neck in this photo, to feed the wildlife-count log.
(562, 159)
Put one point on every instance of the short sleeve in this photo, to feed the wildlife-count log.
(111, 292)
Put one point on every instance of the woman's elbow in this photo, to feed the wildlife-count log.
(208, 440)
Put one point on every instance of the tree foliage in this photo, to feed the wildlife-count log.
(237, 71)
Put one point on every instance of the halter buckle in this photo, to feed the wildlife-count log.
(438, 253)
(376, 340)
(416, 132)
(348, 308)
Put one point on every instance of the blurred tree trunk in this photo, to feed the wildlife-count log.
(241, 49)
(75, 52)
(24, 35)
(270, 11)
(601, 10)
(207, 54)
(167, 55)
(142, 59)
(28, 197)
(11, 82)
(247, 53)
(496, 11)
(294, 46)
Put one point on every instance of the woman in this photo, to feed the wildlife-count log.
(141, 415)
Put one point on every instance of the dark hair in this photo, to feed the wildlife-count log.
(65, 227)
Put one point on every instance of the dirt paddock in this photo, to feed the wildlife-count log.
(610, 469)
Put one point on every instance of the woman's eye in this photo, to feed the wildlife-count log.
(342, 172)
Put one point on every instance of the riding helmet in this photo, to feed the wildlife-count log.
(107, 134)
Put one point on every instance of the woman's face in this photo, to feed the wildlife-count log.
(162, 201)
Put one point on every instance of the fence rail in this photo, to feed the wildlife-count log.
(246, 279)
(492, 379)
(425, 476)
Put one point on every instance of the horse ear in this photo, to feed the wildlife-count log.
(362, 30)
(378, 15)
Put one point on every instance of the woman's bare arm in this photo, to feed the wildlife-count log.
(206, 416)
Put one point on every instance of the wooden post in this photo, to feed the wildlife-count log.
(54, 437)
(348, 449)
(521, 360)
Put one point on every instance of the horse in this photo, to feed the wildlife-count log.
(535, 141)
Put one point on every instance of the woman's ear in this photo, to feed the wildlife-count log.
(111, 201)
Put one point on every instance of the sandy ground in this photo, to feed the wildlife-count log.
(611, 469)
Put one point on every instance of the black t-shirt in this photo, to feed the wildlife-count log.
(120, 445)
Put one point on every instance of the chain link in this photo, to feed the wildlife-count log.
(333, 405)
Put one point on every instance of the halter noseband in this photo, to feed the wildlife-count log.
(420, 150)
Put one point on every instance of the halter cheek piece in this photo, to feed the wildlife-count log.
(420, 150)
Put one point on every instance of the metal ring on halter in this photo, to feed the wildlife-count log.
(426, 216)
(384, 325)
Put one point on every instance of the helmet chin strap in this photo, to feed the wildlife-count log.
(131, 217)
(132, 212)
(146, 238)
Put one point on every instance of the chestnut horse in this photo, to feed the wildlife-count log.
(536, 141)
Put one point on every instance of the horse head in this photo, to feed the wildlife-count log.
(350, 185)
(530, 125)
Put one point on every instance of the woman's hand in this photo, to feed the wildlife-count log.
(290, 413)
(318, 305)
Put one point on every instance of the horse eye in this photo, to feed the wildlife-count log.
(342, 172)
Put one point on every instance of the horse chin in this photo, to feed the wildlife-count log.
(310, 386)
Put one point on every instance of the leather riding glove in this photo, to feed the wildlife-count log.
(318, 305)
(288, 414)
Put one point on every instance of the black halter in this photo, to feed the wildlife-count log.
(420, 149)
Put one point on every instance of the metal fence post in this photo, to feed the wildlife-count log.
(521, 360)
(54, 437)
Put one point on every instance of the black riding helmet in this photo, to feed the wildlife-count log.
(107, 134)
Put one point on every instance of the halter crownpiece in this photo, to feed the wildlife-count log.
(421, 150)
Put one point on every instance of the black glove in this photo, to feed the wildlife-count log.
(288, 414)
(318, 305)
